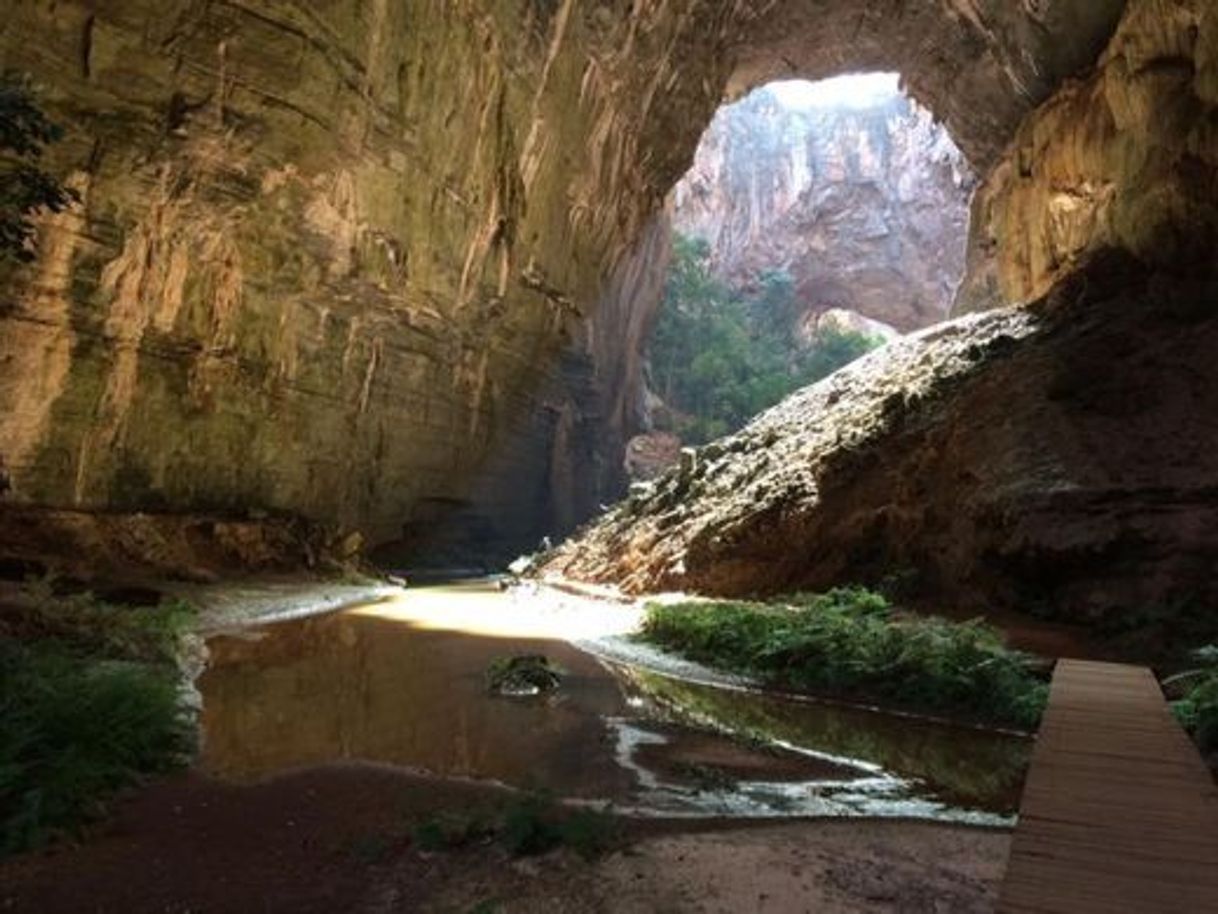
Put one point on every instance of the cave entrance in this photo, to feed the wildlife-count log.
(818, 220)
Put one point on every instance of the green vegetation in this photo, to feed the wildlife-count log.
(450, 831)
(90, 626)
(851, 643)
(24, 186)
(719, 356)
(89, 704)
(1197, 711)
(532, 823)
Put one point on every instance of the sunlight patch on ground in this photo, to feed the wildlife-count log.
(523, 611)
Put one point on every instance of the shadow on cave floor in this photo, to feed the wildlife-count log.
(322, 739)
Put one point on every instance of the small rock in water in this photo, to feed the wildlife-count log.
(522, 674)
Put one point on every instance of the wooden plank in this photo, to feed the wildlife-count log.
(1119, 813)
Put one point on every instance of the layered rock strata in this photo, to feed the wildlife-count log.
(1126, 157)
(362, 262)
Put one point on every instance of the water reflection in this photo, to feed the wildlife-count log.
(351, 686)
(375, 687)
(955, 765)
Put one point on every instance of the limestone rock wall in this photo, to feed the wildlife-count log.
(865, 208)
(1056, 458)
(1126, 157)
(355, 260)
(337, 260)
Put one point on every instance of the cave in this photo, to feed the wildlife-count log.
(305, 306)
(316, 351)
(845, 184)
(817, 221)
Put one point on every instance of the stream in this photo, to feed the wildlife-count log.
(402, 682)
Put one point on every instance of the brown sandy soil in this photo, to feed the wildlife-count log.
(811, 866)
(338, 840)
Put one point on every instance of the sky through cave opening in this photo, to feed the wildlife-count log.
(816, 221)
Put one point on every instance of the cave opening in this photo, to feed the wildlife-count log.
(817, 221)
(332, 309)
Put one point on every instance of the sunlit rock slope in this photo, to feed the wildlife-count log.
(1059, 459)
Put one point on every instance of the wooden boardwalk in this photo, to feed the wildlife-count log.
(1119, 814)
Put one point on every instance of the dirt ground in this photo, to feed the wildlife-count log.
(339, 840)
(776, 869)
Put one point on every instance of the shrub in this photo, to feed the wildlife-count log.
(718, 355)
(25, 188)
(851, 643)
(534, 824)
(1197, 711)
(89, 704)
(74, 730)
(450, 831)
(93, 627)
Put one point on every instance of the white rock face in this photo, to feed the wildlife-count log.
(865, 206)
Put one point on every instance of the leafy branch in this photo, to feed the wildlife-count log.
(25, 188)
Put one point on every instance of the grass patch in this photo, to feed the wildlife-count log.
(851, 643)
(531, 824)
(451, 831)
(535, 824)
(89, 704)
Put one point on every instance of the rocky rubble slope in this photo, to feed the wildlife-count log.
(1059, 458)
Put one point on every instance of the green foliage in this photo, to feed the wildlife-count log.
(1197, 711)
(24, 186)
(372, 848)
(94, 627)
(89, 704)
(533, 823)
(72, 731)
(719, 357)
(450, 831)
(591, 833)
(850, 642)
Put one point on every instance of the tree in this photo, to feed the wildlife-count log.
(25, 188)
(718, 356)
(775, 307)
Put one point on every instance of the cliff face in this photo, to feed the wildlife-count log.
(1039, 459)
(866, 208)
(1125, 158)
(370, 263)
(1057, 457)
(339, 263)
